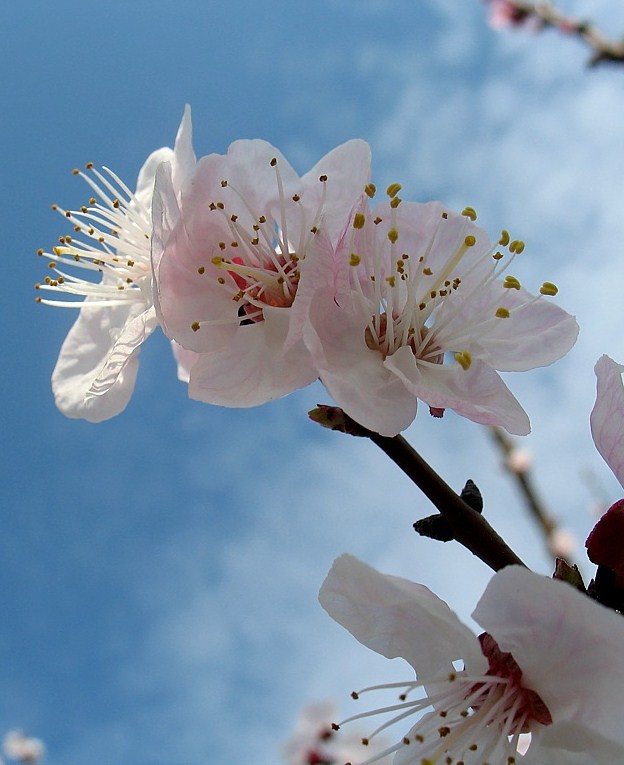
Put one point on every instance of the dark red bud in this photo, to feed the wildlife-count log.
(605, 544)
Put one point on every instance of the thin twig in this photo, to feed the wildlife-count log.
(547, 523)
(603, 49)
(469, 528)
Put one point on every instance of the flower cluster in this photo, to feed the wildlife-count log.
(265, 281)
(549, 664)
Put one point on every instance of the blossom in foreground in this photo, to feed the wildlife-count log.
(550, 664)
(26, 749)
(607, 417)
(604, 544)
(96, 370)
(233, 255)
(314, 741)
(412, 304)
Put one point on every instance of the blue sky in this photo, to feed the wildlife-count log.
(159, 571)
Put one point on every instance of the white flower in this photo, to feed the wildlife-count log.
(96, 370)
(315, 742)
(232, 258)
(412, 304)
(550, 664)
(607, 417)
(18, 746)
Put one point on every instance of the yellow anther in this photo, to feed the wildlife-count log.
(393, 189)
(504, 239)
(548, 288)
(217, 260)
(394, 203)
(92, 200)
(195, 326)
(393, 235)
(377, 220)
(516, 246)
(54, 207)
(354, 260)
(221, 280)
(370, 190)
(470, 241)
(464, 359)
(502, 313)
(75, 171)
(40, 251)
(498, 255)
(359, 220)
(511, 283)
(427, 271)
(391, 280)
(470, 212)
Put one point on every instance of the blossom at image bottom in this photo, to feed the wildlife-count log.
(111, 235)
(412, 304)
(233, 256)
(549, 664)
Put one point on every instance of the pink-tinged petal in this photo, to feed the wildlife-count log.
(568, 646)
(396, 617)
(347, 168)
(187, 291)
(569, 743)
(607, 417)
(252, 369)
(354, 374)
(320, 275)
(536, 333)
(477, 393)
(96, 370)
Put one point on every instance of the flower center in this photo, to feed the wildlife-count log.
(114, 228)
(474, 720)
(260, 264)
(418, 299)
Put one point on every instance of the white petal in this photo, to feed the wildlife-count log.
(347, 168)
(477, 393)
(572, 744)
(568, 646)
(354, 374)
(396, 617)
(96, 370)
(185, 360)
(252, 369)
(607, 417)
(184, 159)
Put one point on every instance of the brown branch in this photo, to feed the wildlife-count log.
(603, 49)
(469, 528)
